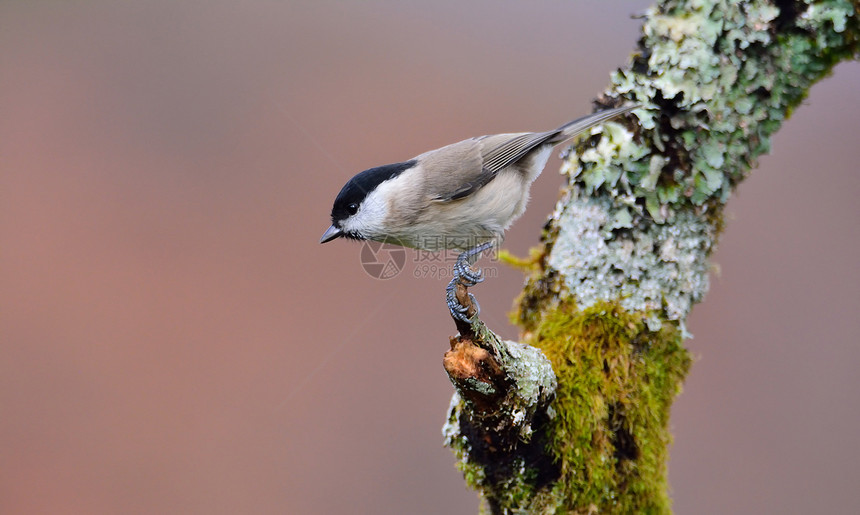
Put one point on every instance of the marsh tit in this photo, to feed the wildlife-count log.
(461, 197)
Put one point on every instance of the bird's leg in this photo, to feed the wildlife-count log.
(465, 276)
(463, 267)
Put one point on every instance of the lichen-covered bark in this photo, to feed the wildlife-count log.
(625, 253)
(717, 78)
(498, 419)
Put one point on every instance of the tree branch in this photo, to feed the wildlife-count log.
(625, 256)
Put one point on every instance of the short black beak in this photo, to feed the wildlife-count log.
(330, 234)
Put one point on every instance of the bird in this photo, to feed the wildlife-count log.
(462, 196)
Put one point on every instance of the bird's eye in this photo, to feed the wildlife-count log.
(352, 208)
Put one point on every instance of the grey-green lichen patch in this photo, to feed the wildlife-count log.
(835, 14)
(717, 79)
(532, 373)
(660, 269)
(615, 147)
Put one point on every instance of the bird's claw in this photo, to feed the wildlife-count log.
(463, 267)
(466, 276)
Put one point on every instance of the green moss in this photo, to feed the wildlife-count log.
(616, 382)
(526, 264)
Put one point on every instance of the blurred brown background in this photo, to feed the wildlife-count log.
(175, 340)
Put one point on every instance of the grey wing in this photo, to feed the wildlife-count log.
(455, 171)
(461, 169)
(512, 150)
(470, 165)
(466, 189)
(483, 166)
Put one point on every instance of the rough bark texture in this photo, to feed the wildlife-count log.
(625, 256)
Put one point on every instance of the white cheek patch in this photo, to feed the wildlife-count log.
(369, 222)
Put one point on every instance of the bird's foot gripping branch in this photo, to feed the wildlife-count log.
(461, 304)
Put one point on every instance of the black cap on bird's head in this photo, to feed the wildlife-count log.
(348, 202)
